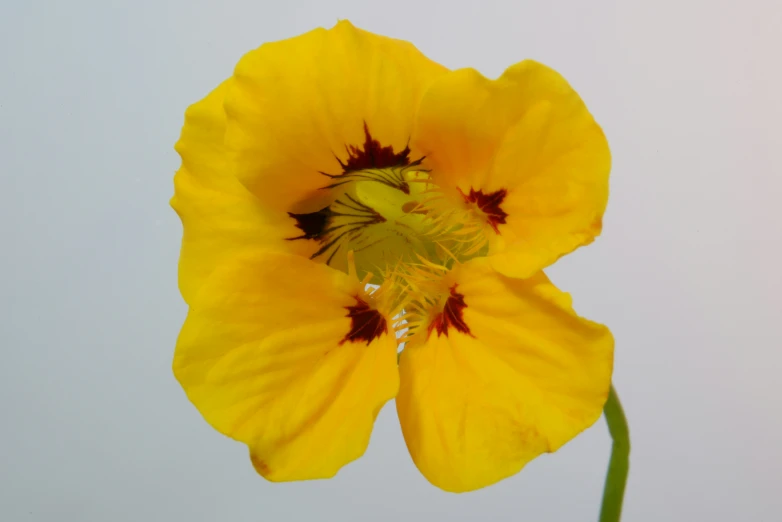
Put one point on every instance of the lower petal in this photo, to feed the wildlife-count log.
(519, 374)
(271, 355)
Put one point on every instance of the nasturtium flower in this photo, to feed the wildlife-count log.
(342, 196)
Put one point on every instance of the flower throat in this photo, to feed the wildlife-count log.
(391, 217)
(386, 209)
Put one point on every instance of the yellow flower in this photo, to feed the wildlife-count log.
(341, 158)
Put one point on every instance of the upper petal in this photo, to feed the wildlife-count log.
(220, 217)
(527, 142)
(297, 106)
(507, 372)
(285, 355)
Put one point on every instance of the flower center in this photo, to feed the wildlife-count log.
(389, 223)
(390, 217)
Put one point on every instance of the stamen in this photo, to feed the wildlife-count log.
(352, 267)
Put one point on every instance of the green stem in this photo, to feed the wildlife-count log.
(618, 466)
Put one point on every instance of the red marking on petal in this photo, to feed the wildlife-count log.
(489, 204)
(259, 465)
(373, 155)
(451, 316)
(367, 323)
(313, 224)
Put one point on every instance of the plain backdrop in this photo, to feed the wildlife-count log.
(93, 426)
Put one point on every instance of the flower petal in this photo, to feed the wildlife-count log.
(297, 105)
(279, 353)
(526, 142)
(220, 217)
(506, 374)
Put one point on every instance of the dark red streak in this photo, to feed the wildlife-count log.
(367, 323)
(489, 204)
(452, 315)
(373, 155)
(313, 224)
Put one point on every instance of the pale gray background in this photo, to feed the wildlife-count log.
(687, 274)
